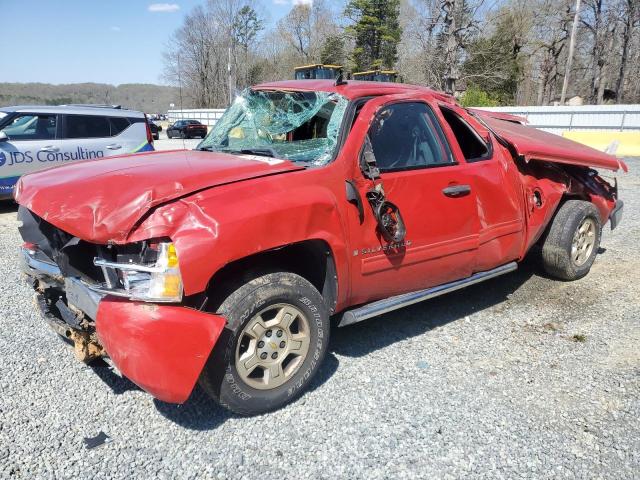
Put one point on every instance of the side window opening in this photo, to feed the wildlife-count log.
(87, 126)
(473, 147)
(118, 125)
(406, 136)
(31, 126)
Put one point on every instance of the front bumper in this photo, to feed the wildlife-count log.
(161, 348)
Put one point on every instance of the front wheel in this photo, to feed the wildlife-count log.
(571, 244)
(274, 342)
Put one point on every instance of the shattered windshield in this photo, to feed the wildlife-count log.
(297, 126)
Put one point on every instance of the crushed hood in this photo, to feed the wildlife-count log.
(533, 144)
(102, 200)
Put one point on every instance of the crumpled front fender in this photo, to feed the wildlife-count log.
(161, 348)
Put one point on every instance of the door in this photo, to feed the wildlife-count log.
(497, 189)
(434, 194)
(30, 139)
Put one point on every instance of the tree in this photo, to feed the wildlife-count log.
(332, 52)
(493, 63)
(245, 28)
(376, 32)
(197, 57)
(631, 20)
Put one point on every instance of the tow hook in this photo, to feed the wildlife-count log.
(85, 347)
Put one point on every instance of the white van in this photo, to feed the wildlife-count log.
(37, 137)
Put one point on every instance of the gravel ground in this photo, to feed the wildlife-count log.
(518, 377)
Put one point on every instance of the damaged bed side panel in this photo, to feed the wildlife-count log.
(162, 349)
(533, 144)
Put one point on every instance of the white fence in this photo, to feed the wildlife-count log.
(205, 116)
(621, 118)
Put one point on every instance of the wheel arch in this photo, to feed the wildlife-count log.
(312, 259)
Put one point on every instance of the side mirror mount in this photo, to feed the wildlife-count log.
(368, 160)
(3, 137)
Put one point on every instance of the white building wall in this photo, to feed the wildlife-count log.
(205, 116)
(620, 118)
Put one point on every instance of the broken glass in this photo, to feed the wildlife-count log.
(297, 126)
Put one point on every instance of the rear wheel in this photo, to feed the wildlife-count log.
(572, 243)
(274, 342)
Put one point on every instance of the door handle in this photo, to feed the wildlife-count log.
(455, 191)
(114, 146)
(49, 148)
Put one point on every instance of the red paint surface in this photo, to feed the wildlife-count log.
(169, 194)
(102, 200)
(162, 349)
(534, 144)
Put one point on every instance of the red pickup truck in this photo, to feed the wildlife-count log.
(309, 200)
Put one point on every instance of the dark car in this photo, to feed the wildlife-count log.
(155, 129)
(187, 129)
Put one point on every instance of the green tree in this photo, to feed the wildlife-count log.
(376, 32)
(246, 26)
(474, 97)
(494, 62)
(332, 51)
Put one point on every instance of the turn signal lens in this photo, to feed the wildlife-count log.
(172, 256)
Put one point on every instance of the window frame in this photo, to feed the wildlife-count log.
(442, 137)
(10, 117)
(489, 144)
(111, 118)
(65, 130)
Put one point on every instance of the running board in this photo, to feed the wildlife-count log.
(392, 303)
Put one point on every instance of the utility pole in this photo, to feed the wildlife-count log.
(230, 79)
(572, 44)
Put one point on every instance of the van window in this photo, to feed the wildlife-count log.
(118, 124)
(31, 126)
(87, 126)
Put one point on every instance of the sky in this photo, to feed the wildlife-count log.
(104, 41)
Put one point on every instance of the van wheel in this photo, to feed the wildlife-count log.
(275, 339)
(572, 242)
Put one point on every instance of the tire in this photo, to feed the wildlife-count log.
(156, 136)
(571, 244)
(169, 134)
(253, 391)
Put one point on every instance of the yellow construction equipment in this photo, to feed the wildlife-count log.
(317, 71)
(377, 76)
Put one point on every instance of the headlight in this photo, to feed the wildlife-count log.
(157, 282)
